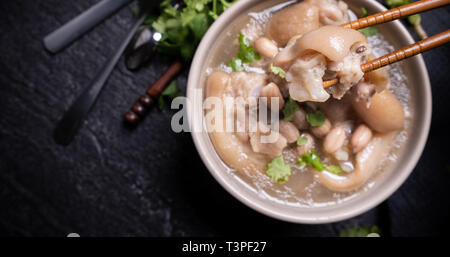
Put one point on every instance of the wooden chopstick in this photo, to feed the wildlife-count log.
(146, 101)
(405, 52)
(411, 50)
(396, 13)
(393, 14)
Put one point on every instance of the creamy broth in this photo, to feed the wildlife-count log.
(303, 188)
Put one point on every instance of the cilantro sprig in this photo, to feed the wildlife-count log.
(182, 29)
(289, 109)
(236, 64)
(278, 170)
(246, 54)
(316, 119)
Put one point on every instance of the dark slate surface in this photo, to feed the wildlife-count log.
(113, 181)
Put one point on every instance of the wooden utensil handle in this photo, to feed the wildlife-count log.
(396, 13)
(145, 102)
(405, 52)
(408, 51)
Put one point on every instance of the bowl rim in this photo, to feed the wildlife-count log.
(389, 187)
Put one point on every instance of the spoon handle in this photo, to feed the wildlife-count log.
(70, 31)
(69, 124)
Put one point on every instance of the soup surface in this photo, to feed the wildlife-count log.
(288, 59)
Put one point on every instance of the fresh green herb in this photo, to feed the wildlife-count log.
(316, 119)
(278, 170)
(334, 169)
(359, 232)
(219, 6)
(289, 109)
(246, 54)
(226, 4)
(172, 90)
(169, 93)
(301, 140)
(300, 162)
(161, 103)
(396, 3)
(183, 29)
(236, 65)
(414, 20)
(311, 159)
(277, 71)
(364, 12)
(369, 31)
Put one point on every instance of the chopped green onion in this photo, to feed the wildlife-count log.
(334, 169)
(277, 71)
(313, 160)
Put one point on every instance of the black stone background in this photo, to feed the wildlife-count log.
(112, 181)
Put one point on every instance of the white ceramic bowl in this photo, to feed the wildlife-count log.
(418, 82)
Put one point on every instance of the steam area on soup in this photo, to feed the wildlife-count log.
(278, 130)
